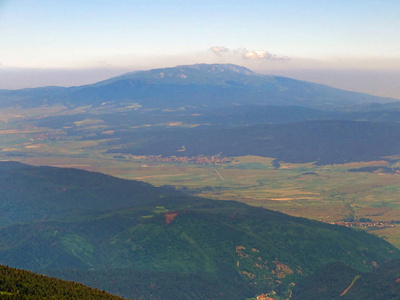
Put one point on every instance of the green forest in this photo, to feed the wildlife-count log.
(22, 284)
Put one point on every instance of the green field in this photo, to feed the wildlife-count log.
(326, 193)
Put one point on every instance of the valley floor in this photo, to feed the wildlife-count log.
(327, 193)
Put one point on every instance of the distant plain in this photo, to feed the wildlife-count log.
(327, 192)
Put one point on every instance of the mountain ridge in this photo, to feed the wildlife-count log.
(26, 198)
(179, 71)
(214, 85)
(178, 244)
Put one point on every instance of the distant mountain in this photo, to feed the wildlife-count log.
(21, 284)
(165, 245)
(198, 85)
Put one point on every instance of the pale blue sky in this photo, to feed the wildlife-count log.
(127, 35)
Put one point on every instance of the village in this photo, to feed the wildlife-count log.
(200, 159)
(369, 224)
(51, 135)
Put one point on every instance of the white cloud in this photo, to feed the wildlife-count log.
(261, 54)
(217, 50)
(256, 54)
(247, 54)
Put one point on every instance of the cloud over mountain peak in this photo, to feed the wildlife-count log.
(247, 54)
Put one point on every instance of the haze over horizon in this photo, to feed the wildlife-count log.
(353, 46)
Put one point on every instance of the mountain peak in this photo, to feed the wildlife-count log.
(217, 68)
(194, 85)
(186, 74)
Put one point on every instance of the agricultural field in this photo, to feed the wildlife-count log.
(328, 193)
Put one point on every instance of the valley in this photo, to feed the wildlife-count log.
(329, 193)
(200, 150)
(283, 185)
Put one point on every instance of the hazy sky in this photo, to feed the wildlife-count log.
(47, 42)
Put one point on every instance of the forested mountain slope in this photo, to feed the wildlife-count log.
(175, 244)
(21, 284)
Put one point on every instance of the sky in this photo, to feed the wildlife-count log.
(350, 44)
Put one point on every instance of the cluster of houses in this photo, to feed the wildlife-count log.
(374, 224)
(51, 135)
(200, 159)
